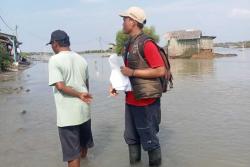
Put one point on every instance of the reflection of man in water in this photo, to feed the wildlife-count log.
(143, 103)
(68, 74)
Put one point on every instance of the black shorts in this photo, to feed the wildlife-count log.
(74, 138)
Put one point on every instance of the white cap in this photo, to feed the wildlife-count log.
(136, 14)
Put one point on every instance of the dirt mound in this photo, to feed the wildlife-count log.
(203, 54)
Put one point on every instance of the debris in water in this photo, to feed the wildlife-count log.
(23, 112)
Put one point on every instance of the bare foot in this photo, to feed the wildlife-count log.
(84, 152)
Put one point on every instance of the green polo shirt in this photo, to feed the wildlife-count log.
(72, 69)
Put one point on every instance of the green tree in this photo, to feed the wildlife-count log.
(121, 38)
(5, 60)
(150, 31)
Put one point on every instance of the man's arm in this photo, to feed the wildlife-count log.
(153, 58)
(84, 96)
(144, 73)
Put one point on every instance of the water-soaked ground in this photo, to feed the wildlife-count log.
(205, 118)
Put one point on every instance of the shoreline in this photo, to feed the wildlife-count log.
(5, 75)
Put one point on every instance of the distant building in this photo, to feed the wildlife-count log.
(189, 43)
(11, 45)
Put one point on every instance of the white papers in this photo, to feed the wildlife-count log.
(117, 79)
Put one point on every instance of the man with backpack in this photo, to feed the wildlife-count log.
(148, 72)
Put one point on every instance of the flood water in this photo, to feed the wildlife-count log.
(205, 118)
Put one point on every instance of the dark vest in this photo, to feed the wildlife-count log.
(142, 88)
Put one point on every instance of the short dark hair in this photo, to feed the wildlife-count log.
(140, 25)
(63, 43)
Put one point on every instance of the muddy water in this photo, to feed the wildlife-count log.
(205, 118)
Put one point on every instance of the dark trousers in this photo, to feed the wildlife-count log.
(142, 125)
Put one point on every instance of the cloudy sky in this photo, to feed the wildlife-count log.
(92, 24)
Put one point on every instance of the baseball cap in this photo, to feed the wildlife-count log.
(58, 35)
(135, 13)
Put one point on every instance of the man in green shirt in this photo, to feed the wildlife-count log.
(68, 75)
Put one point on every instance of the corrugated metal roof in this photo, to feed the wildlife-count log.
(6, 35)
(184, 34)
(5, 38)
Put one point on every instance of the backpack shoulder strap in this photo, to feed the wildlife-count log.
(141, 42)
(145, 39)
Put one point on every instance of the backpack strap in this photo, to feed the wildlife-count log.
(141, 43)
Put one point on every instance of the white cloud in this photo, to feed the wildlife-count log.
(240, 13)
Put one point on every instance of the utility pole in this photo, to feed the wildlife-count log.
(15, 46)
(16, 31)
